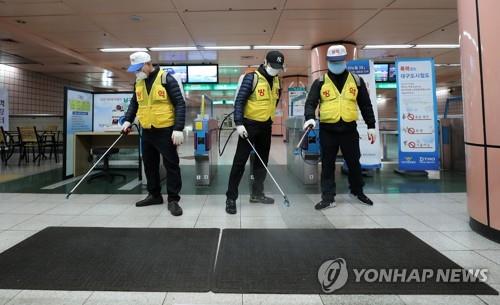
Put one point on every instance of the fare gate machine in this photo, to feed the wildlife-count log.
(205, 146)
(303, 161)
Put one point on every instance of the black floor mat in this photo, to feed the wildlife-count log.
(288, 260)
(64, 258)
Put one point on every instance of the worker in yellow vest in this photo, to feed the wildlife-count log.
(159, 105)
(339, 94)
(254, 109)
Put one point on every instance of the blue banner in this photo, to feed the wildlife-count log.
(417, 114)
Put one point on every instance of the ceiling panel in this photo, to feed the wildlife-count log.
(153, 30)
(20, 8)
(52, 24)
(445, 35)
(120, 6)
(204, 24)
(391, 53)
(401, 26)
(424, 4)
(197, 5)
(451, 57)
(92, 40)
(312, 27)
(336, 4)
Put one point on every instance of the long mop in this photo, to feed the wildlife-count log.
(306, 132)
(93, 166)
(286, 202)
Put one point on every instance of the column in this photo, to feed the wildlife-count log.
(479, 47)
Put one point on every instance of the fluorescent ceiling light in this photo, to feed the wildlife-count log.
(174, 49)
(238, 66)
(389, 46)
(278, 47)
(227, 48)
(123, 50)
(437, 46)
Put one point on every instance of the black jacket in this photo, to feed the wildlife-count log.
(173, 91)
(246, 89)
(363, 101)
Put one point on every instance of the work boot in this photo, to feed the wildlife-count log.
(323, 204)
(174, 208)
(261, 199)
(363, 198)
(150, 200)
(230, 206)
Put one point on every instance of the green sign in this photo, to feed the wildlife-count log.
(210, 87)
(387, 85)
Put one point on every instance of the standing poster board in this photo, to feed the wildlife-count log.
(109, 108)
(78, 116)
(370, 153)
(4, 108)
(417, 114)
(296, 101)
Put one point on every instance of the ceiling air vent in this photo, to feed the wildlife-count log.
(8, 40)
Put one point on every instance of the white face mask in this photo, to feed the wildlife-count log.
(271, 71)
(140, 76)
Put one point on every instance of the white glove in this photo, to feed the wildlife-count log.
(242, 131)
(126, 127)
(177, 137)
(309, 122)
(372, 135)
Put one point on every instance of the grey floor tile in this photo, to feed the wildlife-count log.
(7, 294)
(263, 223)
(169, 221)
(177, 298)
(493, 255)
(228, 221)
(491, 299)
(9, 239)
(439, 241)
(47, 297)
(281, 299)
(440, 299)
(8, 221)
(126, 298)
(40, 222)
(405, 222)
(361, 300)
(473, 240)
(353, 222)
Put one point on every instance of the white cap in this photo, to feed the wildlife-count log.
(336, 53)
(137, 61)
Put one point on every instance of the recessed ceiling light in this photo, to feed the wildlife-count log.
(227, 48)
(174, 49)
(447, 65)
(284, 47)
(136, 18)
(388, 46)
(123, 50)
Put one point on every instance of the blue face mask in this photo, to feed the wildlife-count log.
(337, 67)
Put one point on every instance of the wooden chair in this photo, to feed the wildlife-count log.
(28, 138)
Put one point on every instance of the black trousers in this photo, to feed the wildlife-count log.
(348, 142)
(156, 141)
(260, 136)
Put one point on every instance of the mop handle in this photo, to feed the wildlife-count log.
(303, 136)
(271, 175)
(95, 164)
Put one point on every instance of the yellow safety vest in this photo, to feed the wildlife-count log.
(155, 107)
(335, 105)
(261, 104)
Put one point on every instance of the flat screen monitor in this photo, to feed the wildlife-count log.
(392, 73)
(178, 71)
(203, 74)
(381, 72)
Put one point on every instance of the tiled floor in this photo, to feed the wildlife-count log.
(439, 219)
